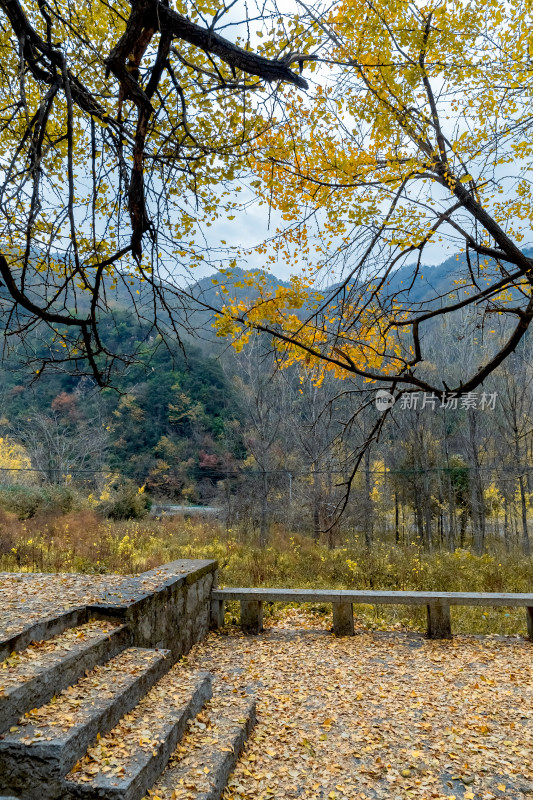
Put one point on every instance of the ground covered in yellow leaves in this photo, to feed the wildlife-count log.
(27, 598)
(378, 715)
(21, 667)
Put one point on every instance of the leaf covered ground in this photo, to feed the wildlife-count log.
(26, 598)
(378, 715)
(21, 667)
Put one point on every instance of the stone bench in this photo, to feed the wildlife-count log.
(437, 603)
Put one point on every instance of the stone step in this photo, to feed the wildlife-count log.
(41, 630)
(201, 765)
(125, 763)
(31, 678)
(37, 753)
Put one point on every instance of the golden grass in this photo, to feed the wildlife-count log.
(83, 542)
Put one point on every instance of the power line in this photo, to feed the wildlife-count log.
(212, 473)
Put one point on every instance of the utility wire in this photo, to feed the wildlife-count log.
(200, 472)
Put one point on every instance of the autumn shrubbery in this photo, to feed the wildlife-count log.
(83, 541)
(31, 501)
(124, 501)
(120, 500)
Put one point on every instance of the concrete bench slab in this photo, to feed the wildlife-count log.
(342, 600)
(375, 597)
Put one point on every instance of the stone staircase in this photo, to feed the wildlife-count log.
(85, 715)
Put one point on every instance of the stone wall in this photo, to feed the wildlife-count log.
(168, 607)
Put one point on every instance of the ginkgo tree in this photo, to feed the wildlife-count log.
(119, 124)
(125, 126)
(416, 134)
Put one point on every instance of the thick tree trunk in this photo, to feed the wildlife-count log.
(526, 548)
(396, 519)
(452, 516)
(476, 489)
(462, 532)
(506, 524)
(418, 513)
(316, 505)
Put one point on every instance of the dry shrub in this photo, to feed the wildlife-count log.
(84, 542)
(8, 532)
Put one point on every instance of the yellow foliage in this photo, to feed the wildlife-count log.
(15, 460)
(422, 108)
(415, 109)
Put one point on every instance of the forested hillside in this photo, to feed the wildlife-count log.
(243, 406)
(209, 425)
(161, 425)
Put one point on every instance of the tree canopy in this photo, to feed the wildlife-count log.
(416, 133)
(126, 127)
(119, 122)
